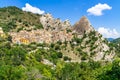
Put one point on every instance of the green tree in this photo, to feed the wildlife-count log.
(17, 55)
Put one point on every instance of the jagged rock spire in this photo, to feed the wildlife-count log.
(83, 26)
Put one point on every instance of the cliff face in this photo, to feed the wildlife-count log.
(83, 26)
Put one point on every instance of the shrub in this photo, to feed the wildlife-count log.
(84, 57)
(68, 30)
(66, 58)
(92, 53)
(57, 47)
(19, 29)
(59, 42)
(60, 55)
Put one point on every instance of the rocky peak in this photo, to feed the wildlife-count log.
(50, 23)
(83, 26)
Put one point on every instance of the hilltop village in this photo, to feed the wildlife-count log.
(54, 30)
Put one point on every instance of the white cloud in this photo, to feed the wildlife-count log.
(32, 9)
(108, 33)
(98, 9)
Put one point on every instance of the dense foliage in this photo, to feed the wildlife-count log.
(23, 62)
(13, 18)
(116, 44)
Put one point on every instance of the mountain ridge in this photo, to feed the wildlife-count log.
(81, 39)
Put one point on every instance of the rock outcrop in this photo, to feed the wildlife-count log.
(50, 23)
(83, 26)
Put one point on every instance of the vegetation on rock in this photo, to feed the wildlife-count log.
(83, 57)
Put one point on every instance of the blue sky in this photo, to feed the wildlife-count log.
(105, 21)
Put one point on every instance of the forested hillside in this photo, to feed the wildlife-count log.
(13, 18)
